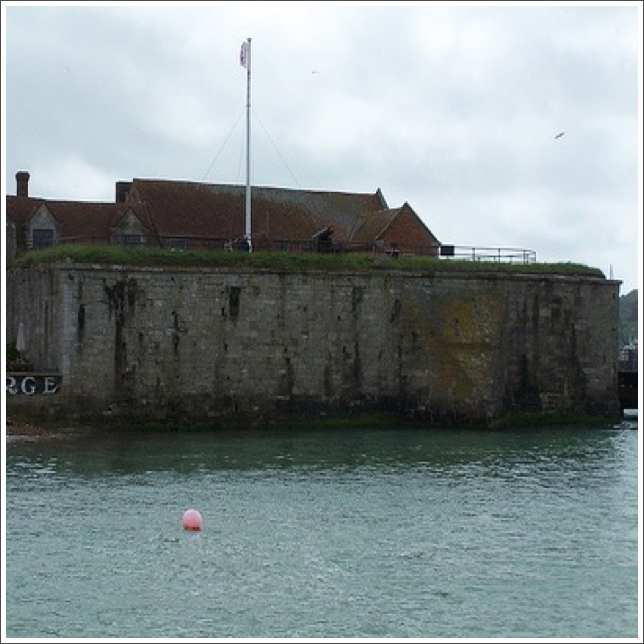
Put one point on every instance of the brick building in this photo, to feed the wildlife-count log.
(189, 215)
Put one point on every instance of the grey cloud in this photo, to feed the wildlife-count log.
(453, 109)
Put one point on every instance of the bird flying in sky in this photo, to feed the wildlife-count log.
(559, 135)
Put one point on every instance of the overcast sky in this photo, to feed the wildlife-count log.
(454, 109)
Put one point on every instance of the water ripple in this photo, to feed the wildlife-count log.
(364, 534)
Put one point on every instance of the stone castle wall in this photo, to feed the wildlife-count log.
(224, 343)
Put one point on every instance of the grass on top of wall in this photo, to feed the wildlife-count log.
(283, 261)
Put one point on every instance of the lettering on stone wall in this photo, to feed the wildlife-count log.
(32, 384)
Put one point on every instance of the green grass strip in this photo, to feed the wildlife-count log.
(284, 261)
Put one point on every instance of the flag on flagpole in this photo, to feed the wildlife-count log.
(243, 55)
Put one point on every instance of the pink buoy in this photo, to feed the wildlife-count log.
(191, 520)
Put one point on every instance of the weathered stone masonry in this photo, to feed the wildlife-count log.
(223, 343)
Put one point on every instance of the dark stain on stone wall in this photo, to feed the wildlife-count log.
(234, 296)
(80, 327)
(458, 347)
(121, 300)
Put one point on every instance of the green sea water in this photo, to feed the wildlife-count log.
(334, 533)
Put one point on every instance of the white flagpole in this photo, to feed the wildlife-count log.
(248, 214)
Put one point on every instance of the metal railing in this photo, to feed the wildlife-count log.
(445, 252)
(489, 254)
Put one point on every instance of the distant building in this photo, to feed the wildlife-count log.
(190, 215)
(628, 358)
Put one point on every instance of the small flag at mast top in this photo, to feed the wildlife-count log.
(243, 55)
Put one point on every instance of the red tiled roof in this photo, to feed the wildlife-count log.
(190, 210)
(75, 220)
(181, 208)
(85, 220)
(372, 225)
(19, 209)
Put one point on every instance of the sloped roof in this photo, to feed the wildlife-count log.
(19, 209)
(182, 208)
(186, 209)
(74, 219)
(372, 225)
(85, 220)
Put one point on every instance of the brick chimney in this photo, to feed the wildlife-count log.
(123, 191)
(22, 183)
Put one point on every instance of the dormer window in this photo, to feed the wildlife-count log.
(131, 240)
(42, 238)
